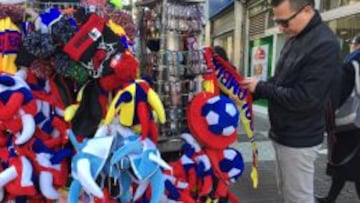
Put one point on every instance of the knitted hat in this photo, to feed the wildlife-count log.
(39, 44)
(63, 63)
(48, 18)
(24, 57)
(63, 30)
(213, 120)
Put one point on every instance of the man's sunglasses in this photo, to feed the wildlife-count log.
(285, 22)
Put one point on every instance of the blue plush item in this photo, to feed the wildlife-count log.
(91, 157)
(121, 157)
(145, 170)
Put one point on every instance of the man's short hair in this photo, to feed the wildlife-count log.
(295, 4)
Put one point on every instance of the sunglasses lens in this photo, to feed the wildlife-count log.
(282, 23)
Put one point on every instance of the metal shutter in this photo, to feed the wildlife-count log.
(257, 24)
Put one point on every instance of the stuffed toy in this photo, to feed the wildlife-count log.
(145, 163)
(87, 164)
(133, 103)
(135, 100)
(115, 151)
(217, 119)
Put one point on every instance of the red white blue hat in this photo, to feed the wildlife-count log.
(213, 120)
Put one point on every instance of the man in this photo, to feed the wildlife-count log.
(298, 94)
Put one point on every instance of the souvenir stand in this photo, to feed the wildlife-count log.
(74, 109)
(171, 54)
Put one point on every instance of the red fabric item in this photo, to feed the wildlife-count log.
(61, 177)
(104, 104)
(125, 68)
(3, 139)
(185, 197)
(232, 197)
(221, 190)
(14, 187)
(82, 41)
(109, 82)
(215, 157)
(107, 198)
(13, 125)
(8, 110)
(199, 127)
(30, 107)
(206, 186)
(99, 57)
(210, 74)
(61, 126)
(143, 115)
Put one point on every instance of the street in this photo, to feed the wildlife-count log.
(267, 189)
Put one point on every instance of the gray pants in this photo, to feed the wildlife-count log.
(295, 173)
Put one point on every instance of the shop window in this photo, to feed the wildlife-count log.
(331, 4)
(345, 28)
(227, 42)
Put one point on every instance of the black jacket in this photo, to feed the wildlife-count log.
(299, 90)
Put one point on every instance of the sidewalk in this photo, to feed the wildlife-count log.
(267, 189)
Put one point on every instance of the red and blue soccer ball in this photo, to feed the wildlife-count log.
(232, 164)
(221, 115)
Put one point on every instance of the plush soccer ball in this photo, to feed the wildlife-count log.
(221, 114)
(232, 164)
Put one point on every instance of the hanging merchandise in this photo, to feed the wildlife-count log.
(10, 38)
(222, 76)
(11, 14)
(171, 34)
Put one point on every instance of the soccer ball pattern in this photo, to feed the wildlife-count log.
(221, 114)
(232, 164)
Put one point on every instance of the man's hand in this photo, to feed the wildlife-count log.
(250, 84)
